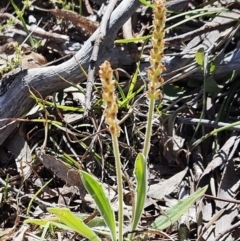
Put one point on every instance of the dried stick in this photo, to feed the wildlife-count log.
(195, 121)
(97, 44)
(37, 31)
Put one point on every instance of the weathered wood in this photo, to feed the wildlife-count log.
(15, 102)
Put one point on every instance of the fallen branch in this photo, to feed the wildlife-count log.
(15, 101)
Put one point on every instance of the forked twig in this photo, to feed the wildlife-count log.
(94, 56)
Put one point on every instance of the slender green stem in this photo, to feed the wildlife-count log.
(36, 194)
(20, 15)
(148, 134)
(224, 128)
(120, 186)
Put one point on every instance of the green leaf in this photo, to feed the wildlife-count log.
(213, 66)
(20, 16)
(95, 189)
(95, 222)
(174, 213)
(172, 92)
(129, 97)
(120, 90)
(43, 222)
(73, 222)
(132, 40)
(2, 233)
(211, 87)
(134, 80)
(200, 57)
(140, 171)
(146, 3)
(233, 76)
(45, 230)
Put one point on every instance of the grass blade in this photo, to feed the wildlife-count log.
(146, 3)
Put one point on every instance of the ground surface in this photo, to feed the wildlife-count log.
(195, 139)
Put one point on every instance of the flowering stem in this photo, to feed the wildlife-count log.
(110, 113)
(155, 70)
(148, 134)
(119, 185)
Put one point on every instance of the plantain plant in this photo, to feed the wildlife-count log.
(106, 224)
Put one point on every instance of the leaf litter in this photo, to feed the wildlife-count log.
(177, 167)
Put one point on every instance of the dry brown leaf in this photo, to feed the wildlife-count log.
(62, 171)
(227, 189)
(77, 20)
(33, 60)
(29, 59)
